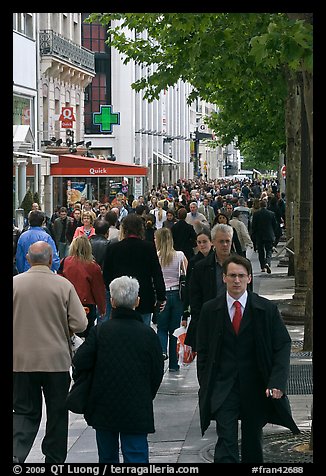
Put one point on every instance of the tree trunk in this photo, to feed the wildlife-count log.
(295, 313)
(292, 127)
(308, 102)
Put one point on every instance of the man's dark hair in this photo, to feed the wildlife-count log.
(111, 218)
(36, 218)
(101, 226)
(237, 259)
(63, 209)
(236, 213)
(140, 209)
(182, 213)
(133, 224)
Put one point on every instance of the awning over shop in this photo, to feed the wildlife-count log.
(165, 158)
(70, 165)
(22, 137)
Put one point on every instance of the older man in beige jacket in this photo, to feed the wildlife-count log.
(46, 312)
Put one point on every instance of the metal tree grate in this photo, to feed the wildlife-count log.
(277, 448)
(300, 380)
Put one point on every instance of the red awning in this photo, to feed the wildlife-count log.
(79, 166)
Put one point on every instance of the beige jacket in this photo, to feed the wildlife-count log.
(46, 309)
(242, 232)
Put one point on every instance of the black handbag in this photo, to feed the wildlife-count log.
(182, 281)
(182, 286)
(78, 395)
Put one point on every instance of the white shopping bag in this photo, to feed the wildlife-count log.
(185, 352)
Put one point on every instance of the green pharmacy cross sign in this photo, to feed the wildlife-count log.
(106, 118)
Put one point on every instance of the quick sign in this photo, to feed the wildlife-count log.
(67, 117)
(93, 171)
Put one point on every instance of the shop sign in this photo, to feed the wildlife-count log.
(67, 117)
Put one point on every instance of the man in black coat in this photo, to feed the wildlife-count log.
(184, 235)
(264, 229)
(127, 362)
(100, 241)
(206, 280)
(136, 257)
(242, 372)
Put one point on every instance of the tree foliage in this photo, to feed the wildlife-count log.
(237, 61)
(27, 203)
(36, 198)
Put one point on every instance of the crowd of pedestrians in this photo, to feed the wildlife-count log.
(123, 260)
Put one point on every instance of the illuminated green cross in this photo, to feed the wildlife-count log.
(106, 119)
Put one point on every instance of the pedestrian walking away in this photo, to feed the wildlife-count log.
(173, 263)
(243, 360)
(43, 322)
(127, 364)
(85, 274)
(264, 231)
(137, 257)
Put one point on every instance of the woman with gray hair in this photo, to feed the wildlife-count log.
(124, 292)
(126, 358)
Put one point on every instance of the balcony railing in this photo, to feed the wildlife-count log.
(52, 43)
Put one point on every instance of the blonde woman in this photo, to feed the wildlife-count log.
(159, 213)
(87, 227)
(85, 274)
(172, 263)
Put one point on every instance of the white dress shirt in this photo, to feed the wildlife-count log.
(230, 301)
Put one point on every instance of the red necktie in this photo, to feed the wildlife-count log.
(237, 316)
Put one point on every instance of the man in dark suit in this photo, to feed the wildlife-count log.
(242, 373)
(206, 280)
(264, 229)
(184, 235)
(136, 257)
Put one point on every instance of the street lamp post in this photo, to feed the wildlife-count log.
(226, 165)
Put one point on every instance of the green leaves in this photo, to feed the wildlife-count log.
(234, 60)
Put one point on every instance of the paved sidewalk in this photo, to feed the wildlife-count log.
(178, 438)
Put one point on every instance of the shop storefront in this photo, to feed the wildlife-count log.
(96, 179)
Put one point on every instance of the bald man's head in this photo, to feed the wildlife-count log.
(40, 252)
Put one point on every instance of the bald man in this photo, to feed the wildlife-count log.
(46, 312)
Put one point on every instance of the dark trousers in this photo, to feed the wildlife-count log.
(134, 447)
(27, 406)
(265, 251)
(227, 417)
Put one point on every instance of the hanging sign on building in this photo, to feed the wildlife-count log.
(67, 117)
(106, 118)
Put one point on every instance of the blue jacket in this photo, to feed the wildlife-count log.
(26, 239)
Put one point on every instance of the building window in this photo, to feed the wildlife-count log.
(22, 108)
(97, 96)
(99, 91)
(23, 23)
(94, 36)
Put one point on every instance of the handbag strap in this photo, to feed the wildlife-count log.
(181, 266)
